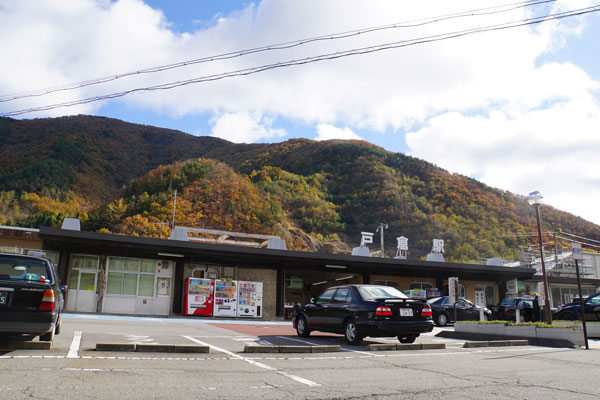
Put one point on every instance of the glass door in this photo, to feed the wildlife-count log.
(82, 287)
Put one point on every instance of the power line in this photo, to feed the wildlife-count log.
(579, 237)
(579, 241)
(279, 46)
(308, 60)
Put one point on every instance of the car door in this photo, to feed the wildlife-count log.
(337, 309)
(318, 312)
(469, 311)
(462, 310)
(592, 308)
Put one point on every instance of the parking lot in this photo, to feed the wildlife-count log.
(73, 368)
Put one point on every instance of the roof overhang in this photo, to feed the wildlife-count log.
(103, 243)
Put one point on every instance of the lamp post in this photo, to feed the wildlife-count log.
(535, 199)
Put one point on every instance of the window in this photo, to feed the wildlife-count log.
(462, 291)
(594, 300)
(326, 297)
(371, 293)
(421, 285)
(341, 295)
(393, 284)
(135, 277)
(83, 272)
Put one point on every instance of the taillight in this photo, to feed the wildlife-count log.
(383, 311)
(505, 310)
(426, 312)
(47, 303)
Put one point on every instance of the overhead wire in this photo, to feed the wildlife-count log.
(322, 57)
(280, 46)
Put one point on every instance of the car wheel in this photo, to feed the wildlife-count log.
(302, 327)
(47, 337)
(441, 320)
(352, 334)
(57, 329)
(407, 338)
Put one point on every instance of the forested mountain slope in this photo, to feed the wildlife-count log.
(121, 177)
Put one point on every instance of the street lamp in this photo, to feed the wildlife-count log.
(535, 199)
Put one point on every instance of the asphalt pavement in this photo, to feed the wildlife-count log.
(74, 369)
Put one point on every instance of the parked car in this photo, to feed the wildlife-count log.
(571, 311)
(358, 311)
(31, 299)
(506, 310)
(443, 310)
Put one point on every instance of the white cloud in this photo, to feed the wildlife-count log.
(553, 150)
(243, 127)
(432, 89)
(328, 132)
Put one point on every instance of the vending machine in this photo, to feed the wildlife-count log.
(199, 297)
(225, 298)
(249, 302)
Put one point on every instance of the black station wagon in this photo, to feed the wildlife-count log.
(31, 300)
(358, 311)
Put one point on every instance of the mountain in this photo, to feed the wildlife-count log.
(122, 177)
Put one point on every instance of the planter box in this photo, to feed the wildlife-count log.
(492, 329)
(520, 331)
(471, 327)
(593, 328)
(574, 335)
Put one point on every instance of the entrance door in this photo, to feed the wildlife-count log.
(480, 298)
(82, 284)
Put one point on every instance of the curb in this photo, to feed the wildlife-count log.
(26, 345)
(544, 342)
(406, 346)
(496, 343)
(254, 348)
(152, 348)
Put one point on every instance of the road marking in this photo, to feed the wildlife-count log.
(75, 344)
(257, 364)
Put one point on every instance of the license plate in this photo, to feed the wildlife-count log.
(3, 298)
(406, 312)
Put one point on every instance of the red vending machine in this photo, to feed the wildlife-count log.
(199, 297)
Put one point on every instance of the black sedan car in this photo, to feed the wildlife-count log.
(443, 310)
(506, 310)
(358, 311)
(571, 311)
(31, 300)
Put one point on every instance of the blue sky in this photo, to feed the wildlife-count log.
(518, 109)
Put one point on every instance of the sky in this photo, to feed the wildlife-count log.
(518, 108)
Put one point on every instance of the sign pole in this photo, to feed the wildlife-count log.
(578, 255)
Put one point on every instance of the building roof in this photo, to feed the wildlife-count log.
(144, 247)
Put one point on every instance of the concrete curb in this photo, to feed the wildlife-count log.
(25, 345)
(255, 348)
(496, 343)
(152, 348)
(485, 337)
(406, 346)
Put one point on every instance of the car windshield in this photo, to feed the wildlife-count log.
(508, 302)
(436, 300)
(370, 293)
(23, 269)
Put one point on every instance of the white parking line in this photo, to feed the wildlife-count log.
(75, 344)
(256, 363)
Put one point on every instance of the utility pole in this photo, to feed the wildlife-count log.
(380, 229)
(555, 247)
(174, 206)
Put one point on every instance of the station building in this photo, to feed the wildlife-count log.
(115, 274)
